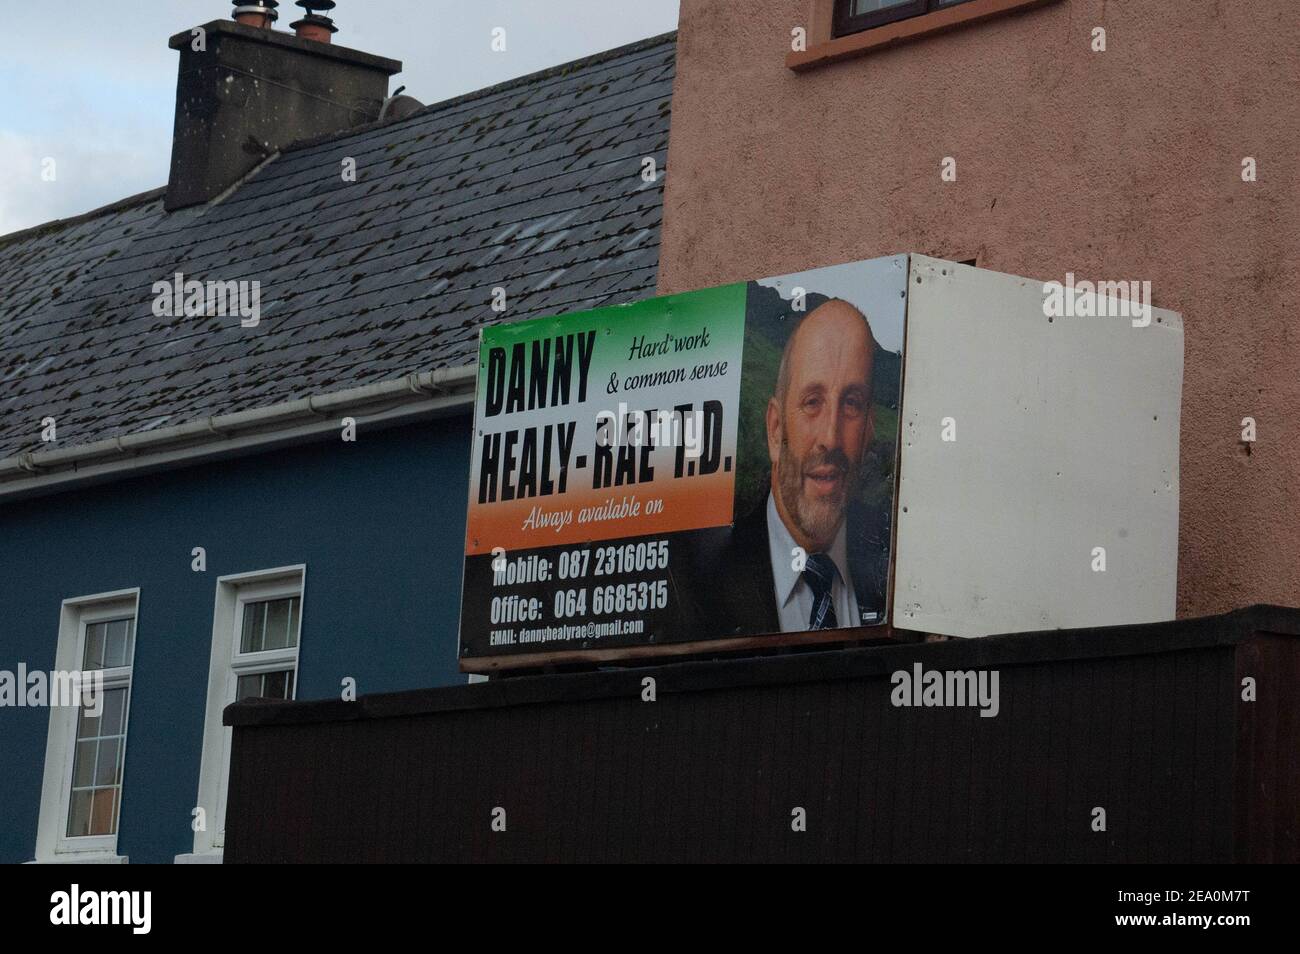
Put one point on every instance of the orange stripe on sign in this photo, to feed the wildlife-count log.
(688, 504)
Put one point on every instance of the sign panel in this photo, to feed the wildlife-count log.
(686, 472)
(1040, 460)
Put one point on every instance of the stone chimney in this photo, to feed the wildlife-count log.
(246, 90)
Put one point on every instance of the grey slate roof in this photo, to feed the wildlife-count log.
(534, 185)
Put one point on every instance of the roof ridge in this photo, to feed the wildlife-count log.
(140, 198)
(150, 254)
(558, 70)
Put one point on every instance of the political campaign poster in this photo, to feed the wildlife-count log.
(708, 470)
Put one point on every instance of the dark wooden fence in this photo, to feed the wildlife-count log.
(1145, 722)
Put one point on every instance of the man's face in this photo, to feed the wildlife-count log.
(816, 439)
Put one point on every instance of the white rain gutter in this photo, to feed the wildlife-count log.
(424, 395)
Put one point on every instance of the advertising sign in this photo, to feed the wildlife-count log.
(694, 472)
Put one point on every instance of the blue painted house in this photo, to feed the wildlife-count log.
(261, 491)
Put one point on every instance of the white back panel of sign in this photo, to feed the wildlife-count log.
(1039, 461)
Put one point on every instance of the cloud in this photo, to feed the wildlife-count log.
(88, 172)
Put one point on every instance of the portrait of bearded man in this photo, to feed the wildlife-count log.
(807, 558)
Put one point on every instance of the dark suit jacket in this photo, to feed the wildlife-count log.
(744, 598)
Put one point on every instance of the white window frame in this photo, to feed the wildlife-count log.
(226, 665)
(53, 845)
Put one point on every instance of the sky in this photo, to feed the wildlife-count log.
(874, 287)
(92, 85)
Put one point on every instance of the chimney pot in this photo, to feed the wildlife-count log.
(260, 13)
(315, 26)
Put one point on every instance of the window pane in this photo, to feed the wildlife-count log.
(93, 658)
(277, 624)
(273, 685)
(114, 706)
(106, 769)
(872, 6)
(109, 722)
(270, 624)
(250, 635)
(108, 644)
(83, 767)
(128, 640)
(276, 685)
(88, 723)
(79, 814)
(249, 687)
(102, 820)
(266, 685)
(115, 644)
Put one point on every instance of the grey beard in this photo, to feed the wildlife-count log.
(816, 519)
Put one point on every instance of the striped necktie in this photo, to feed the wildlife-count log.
(820, 573)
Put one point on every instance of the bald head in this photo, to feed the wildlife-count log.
(825, 321)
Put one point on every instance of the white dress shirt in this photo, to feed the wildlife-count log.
(794, 597)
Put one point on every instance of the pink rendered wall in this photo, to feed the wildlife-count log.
(1117, 165)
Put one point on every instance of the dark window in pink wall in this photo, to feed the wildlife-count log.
(854, 16)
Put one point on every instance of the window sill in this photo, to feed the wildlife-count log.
(901, 31)
(82, 858)
(200, 858)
